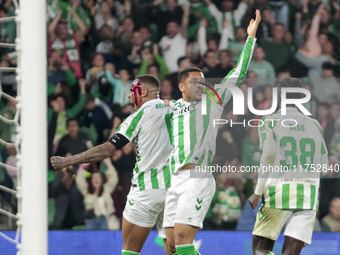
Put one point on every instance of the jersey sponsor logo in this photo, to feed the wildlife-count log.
(186, 109)
(131, 203)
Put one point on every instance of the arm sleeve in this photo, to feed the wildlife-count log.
(78, 107)
(202, 40)
(112, 179)
(143, 67)
(234, 76)
(217, 14)
(114, 82)
(164, 70)
(131, 126)
(240, 11)
(268, 145)
(224, 43)
(81, 181)
(70, 78)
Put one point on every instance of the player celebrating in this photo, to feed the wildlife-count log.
(147, 127)
(188, 199)
(288, 201)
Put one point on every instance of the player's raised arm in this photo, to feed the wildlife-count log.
(95, 154)
(233, 77)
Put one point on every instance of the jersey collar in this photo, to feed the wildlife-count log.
(152, 102)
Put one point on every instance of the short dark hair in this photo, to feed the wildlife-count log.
(185, 73)
(3, 9)
(327, 66)
(71, 119)
(89, 98)
(179, 61)
(153, 65)
(209, 51)
(290, 83)
(150, 80)
(278, 24)
(324, 104)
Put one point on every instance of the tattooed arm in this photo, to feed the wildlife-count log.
(95, 154)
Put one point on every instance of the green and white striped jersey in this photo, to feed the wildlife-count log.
(193, 134)
(149, 128)
(291, 150)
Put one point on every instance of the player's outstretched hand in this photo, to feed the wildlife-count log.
(57, 162)
(253, 200)
(254, 24)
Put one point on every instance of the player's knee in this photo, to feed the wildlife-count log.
(182, 238)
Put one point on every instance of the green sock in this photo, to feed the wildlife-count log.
(197, 252)
(186, 249)
(125, 252)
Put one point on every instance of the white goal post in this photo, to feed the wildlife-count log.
(33, 103)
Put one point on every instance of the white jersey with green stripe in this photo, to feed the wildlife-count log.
(297, 154)
(149, 128)
(194, 134)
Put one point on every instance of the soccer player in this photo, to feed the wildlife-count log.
(148, 128)
(194, 140)
(290, 197)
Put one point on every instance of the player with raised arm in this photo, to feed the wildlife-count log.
(290, 195)
(148, 128)
(194, 140)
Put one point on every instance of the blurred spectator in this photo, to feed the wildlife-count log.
(68, 9)
(265, 70)
(267, 101)
(121, 86)
(59, 70)
(329, 186)
(334, 147)
(8, 78)
(280, 11)
(209, 64)
(7, 31)
(68, 200)
(310, 54)
(182, 63)
(277, 57)
(326, 122)
(74, 142)
(312, 104)
(251, 153)
(236, 46)
(172, 13)
(132, 56)
(331, 222)
(226, 205)
(173, 44)
(105, 44)
(224, 66)
(66, 44)
(231, 14)
(198, 10)
(335, 110)
(327, 87)
(96, 115)
(146, 36)
(99, 208)
(124, 35)
(64, 112)
(264, 32)
(104, 17)
(94, 74)
(153, 63)
(166, 90)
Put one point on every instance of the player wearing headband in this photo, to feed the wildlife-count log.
(147, 127)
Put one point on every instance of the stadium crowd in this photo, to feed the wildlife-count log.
(97, 47)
